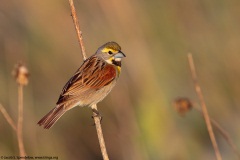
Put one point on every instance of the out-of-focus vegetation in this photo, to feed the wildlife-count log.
(139, 122)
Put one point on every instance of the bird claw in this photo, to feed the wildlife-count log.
(96, 114)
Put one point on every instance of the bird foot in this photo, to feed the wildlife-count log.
(96, 114)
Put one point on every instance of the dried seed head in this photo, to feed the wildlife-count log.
(182, 105)
(21, 74)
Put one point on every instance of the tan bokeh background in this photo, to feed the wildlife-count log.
(139, 122)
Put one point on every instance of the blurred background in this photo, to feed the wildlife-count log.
(139, 121)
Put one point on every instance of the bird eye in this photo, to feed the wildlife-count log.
(110, 52)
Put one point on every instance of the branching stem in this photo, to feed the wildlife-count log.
(8, 118)
(204, 107)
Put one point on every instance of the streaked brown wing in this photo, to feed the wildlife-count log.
(78, 74)
(93, 74)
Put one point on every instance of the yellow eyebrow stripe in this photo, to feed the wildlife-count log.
(108, 49)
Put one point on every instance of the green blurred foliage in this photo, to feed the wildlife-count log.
(139, 121)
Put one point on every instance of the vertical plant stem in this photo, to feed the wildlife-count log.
(96, 119)
(22, 152)
(204, 107)
(77, 27)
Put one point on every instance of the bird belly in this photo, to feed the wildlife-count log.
(93, 97)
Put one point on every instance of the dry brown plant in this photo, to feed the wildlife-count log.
(21, 74)
(204, 107)
(184, 105)
(97, 119)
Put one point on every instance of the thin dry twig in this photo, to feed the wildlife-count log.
(97, 121)
(223, 132)
(183, 105)
(8, 118)
(226, 137)
(21, 74)
(96, 118)
(204, 107)
(77, 27)
(20, 121)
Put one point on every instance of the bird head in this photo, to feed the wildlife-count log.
(111, 53)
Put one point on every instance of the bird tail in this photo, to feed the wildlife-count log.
(51, 118)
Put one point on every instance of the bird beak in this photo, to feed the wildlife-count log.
(119, 55)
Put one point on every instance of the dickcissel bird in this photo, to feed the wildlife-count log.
(90, 84)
